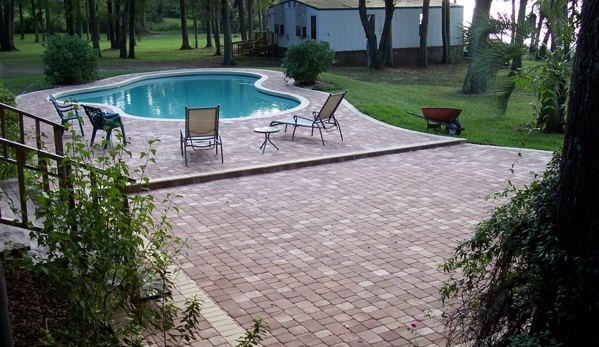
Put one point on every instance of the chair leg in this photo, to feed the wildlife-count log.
(339, 128)
(222, 158)
(293, 135)
(108, 133)
(124, 136)
(181, 144)
(80, 121)
(321, 138)
(185, 155)
(93, 135)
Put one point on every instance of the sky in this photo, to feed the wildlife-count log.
(496, 6)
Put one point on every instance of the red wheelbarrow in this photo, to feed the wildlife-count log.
(437, 116)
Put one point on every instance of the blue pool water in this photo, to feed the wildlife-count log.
(166, 97)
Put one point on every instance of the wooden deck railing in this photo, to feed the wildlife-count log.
(25, 149)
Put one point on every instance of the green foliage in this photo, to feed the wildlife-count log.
(8, 170)
(254, 336)
(69, 60)
(105, 250)
(306, 60)
(506, 272)
(495, 275)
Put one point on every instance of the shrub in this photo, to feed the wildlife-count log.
(305, 61)
(512, 271)
(8, 170)
(69, 60)
(104, 248)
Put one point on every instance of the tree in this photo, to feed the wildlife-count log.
(423, 31)
(576, 212)
(241, 11)
(228, 57)
(529, 274)
(216, 30)
(123, 31)
(378, 54)
(445, 30)
(548, 80)
(93, 19)
(131, 29)
(519, 34)
(474, 84)
(250, 9)
(35, 22)
(69, 18)
(184, 31)
(112, 29)
(7, 25)
(209, 21)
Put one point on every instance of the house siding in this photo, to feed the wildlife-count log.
(343, 29)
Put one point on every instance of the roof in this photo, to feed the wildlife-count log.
(353, 4)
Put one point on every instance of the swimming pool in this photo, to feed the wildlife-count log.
(165, 96)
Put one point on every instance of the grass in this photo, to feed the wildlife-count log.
(385, 95)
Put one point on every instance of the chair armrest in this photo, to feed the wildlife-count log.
(304, 118)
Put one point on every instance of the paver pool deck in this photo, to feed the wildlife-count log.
(334, 245)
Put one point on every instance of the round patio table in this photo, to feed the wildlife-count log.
(266, 131)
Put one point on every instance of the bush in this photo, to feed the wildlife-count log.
(8, 170)
(305, 61)
(69, 60)
(104, 249)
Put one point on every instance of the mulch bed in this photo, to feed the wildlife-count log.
(31, 308)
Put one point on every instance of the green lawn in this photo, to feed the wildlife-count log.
(385, 95)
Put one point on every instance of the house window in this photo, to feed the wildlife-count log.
(312, 27)
(300, 31)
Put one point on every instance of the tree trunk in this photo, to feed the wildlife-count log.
(93, 19)
(6, 39)
(160, 11)
(49, 30)
(35, 23)
(195, 30)
(534, 46)
(20, 20)
(132, 30)
(577, 204)
(216, 31)
(519, 35)
(370, 36)
(209, 24)
(473, 85)
(241, 11)
(117, 24)
(446, 30)
(123, 31)
(377, 55)
(111, 28)
(184, 31)
(229, 58)
(79, 20)
(40, 18)
(68, 14)
(250, 11)
(423, 30)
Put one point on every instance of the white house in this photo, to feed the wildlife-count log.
(338, 22)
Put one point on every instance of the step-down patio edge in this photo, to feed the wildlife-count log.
(175, 181)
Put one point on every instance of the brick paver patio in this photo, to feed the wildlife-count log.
(339, 254)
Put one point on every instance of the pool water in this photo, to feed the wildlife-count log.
(166, 97)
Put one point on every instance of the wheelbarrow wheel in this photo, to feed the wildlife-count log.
(454, 128)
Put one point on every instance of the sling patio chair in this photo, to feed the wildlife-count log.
(67, 112)
(323, 119)
(102, 120)
(201, 130)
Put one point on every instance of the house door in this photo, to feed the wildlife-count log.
(313, 27)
